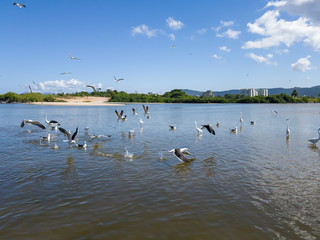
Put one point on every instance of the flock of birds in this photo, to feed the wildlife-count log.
(177, 152)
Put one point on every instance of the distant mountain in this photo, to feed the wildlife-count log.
(312, 91)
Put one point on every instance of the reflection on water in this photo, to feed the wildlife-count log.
(253, 184)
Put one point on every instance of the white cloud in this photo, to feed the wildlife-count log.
(202, 31)
(172, 36)
(229, 34)
(226, 24)
(302, 65)
(216, 56)
(72, 85)
(224, 48)
(276, 32)
(144, 30)
(261, 59)
(173, 24)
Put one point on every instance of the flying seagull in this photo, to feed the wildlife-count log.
(179, 153)
(64, 73)
(209, 128)
(116, 80)
(20, 5)
(134, 111)
(94, 89)
(315, 140)
(68, 134)
(52, 123)
(30, 88)
(37, 123)
(172, 46)
(119, 115)
(145, 109)
(73, 58)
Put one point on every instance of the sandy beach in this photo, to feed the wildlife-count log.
(80, 101)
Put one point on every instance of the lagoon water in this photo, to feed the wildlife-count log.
(255, 184)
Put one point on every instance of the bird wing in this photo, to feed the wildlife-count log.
(121, 113)
(22, 124)
(118, 115)
(180, 155)
(74, 134)
(65, 132)
(37, 123)
(210, 129)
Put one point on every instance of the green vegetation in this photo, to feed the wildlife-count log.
(174, 96)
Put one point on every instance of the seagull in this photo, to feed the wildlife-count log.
(119, 115)
(287, 130)
(141, 122)
(134, 111)
(99, 136)
(37, 123)
(63, 73)
(234, 130)
(94, 89)
(116, 80)
(84, 145)
(252, 122)
(20, 5)
(47, 138)
(218, 124)
(172, 46)
(241, 120)
(209, 128)
(315, 140)
(172, 127)
(274, 111)
(128, 155)
(68, 134)
(148, 117)
(52, 123)
(73, 58)
(145, 109)
(179, 153)
(198, 129)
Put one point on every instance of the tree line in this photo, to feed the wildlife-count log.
(174, 96)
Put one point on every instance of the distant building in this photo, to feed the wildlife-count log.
(208, 93)
(251, 92)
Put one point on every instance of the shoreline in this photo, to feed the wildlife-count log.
(79, 101)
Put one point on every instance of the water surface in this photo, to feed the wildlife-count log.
(256, 184)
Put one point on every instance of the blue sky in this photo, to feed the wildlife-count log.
(218, 45)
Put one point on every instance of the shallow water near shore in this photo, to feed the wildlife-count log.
(256, 184)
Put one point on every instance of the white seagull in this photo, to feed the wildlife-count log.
(241, 119)
(315, 140)
(73, 58)
(116, 80)
(141, 121)
(198, 129)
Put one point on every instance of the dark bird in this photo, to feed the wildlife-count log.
(68, 134)
(252, 122)
(119, 115)
(145, 109)
(37, 123)
(172, 127)
(20, 5)
(84, 145)
(94, 89)
(209, 128)
(134, 111)
(179, 153)
(64, 73)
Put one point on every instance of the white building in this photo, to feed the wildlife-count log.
(251, 92)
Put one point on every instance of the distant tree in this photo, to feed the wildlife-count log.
(294, 93)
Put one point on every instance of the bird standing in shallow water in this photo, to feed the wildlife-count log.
(315, 140)
(287, 130)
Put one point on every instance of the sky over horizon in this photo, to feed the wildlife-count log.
(157, 46)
